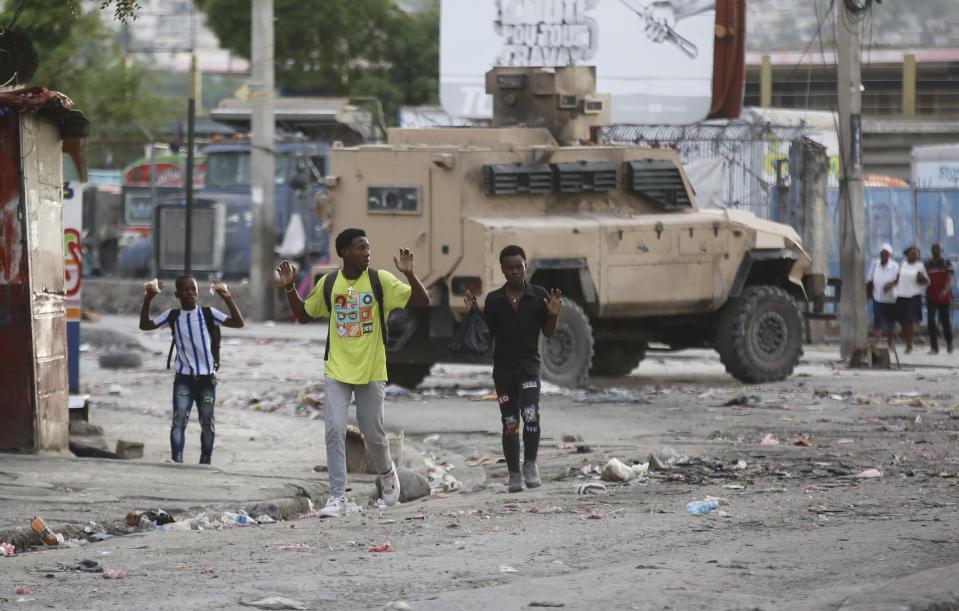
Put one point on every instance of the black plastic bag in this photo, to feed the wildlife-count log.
(472, 336)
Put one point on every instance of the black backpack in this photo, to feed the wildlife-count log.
(328, 283)
(212, 329)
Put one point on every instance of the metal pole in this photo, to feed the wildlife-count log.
(263, 133)
(852, 216)
(188, 187)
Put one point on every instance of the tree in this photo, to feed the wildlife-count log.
(342, 47)
(79, 56)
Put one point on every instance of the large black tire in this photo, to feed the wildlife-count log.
(568, 355)
(616, 359)
(760, 335)
(407, 375)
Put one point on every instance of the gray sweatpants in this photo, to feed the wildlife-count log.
(369, 415)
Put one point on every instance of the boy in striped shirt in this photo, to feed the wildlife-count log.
(196, 363)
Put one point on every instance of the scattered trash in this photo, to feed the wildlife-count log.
(571, 438)
(803, 440)
(116, 389)
(537, 603)
(265, 519)
(399, 604)
(394, 390)
(503, 568)
(743, 400)
(583, 449)
(431, 438)
(114, 574)
(769, 440)
(208, 570)
(22, 590)
(478, 461)
(239, 519)
(7, 549)
(740, 466)
(591, 488)
(550, 509)
(40, 527)
(87, 566)
(616, 471)
(591, 516)
(385, 547)
(701, 508)
(148, 519)
(869, 474)
(274, 602)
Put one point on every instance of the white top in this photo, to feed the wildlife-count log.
(194, 355)
(880, 275)
(909, 279)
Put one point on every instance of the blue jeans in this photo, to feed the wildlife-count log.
(186, 391)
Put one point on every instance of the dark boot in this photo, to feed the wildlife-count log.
(178, 457)
(205, 460)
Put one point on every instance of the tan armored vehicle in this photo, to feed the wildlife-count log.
(615, 227)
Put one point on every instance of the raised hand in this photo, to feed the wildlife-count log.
(470, 300)
(553, 303)
(287, 272)
(221, 289)
(153, 287)
(405, 261)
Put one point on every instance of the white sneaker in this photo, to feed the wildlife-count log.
(390, 486)
(336, 506)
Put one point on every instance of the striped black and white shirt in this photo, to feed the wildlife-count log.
(194, 355)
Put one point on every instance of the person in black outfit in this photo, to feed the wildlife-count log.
(516, 313)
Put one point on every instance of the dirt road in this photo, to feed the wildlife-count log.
(797, 527)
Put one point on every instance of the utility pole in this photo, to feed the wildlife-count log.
(261, 158)
(852, 215)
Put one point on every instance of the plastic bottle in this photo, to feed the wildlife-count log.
(240, 519)
(701, 508)
(40, 527)
(133, 518)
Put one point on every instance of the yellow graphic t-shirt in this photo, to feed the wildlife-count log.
(357, 354)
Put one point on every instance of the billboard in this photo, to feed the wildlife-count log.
(655, 58)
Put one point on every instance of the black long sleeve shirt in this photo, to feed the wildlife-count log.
(516, 332)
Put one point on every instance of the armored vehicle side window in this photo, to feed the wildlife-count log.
(392, 200)
(585, 176)
(658, 180)
(514, 178)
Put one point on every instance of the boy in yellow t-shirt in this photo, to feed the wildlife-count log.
(356, 353)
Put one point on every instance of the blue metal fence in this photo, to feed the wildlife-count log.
(902, 217)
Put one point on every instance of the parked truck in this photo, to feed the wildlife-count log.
(223, 216)
(616, 228)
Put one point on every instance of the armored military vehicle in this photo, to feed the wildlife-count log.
(614, 227)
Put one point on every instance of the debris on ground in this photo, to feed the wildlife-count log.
(869, 474)
(591, 488)
(591, 516)
(743, 400)
(505, 568)
(46, 535)
(274, 602)
(22, 590)
(382, 548)
(7, 549)
(616, 471)
(114, 574)
(701, 508)
(538, 603)
(768, 440)
(803, 440)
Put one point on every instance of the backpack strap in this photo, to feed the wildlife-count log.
(171, 321)
(378, 295)
(214, 333)
(328, 281)
(377, 287)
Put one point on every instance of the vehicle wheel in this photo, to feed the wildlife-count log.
(616, 359)
(760, 335)
(120, 360)
(568, 355)
(407, 375)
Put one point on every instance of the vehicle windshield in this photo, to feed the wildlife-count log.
(230, 169)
